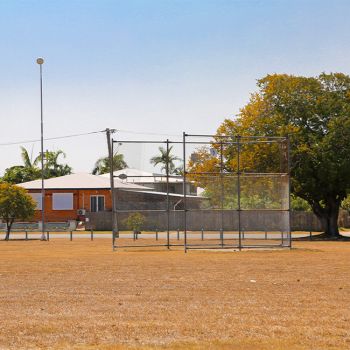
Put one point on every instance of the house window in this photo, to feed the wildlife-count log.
(97, 203)
(62, 201)
(37, 199)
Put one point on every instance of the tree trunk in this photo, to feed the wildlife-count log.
(328, 216)
(8, 230)
(330, 225)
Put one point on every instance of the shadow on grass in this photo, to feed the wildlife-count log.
(20, 239)
(322, 237)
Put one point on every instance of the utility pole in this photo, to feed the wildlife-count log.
(111, 176)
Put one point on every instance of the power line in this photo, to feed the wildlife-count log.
(146, 133)
(85, 134)
(51, 138)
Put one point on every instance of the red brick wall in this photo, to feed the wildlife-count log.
(81, 200)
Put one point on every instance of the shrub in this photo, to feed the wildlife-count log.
(134, 222)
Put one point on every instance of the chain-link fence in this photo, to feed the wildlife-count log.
(202, 192)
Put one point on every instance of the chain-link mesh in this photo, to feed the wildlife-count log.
(203, 192)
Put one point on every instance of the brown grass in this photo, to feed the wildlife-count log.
(81, 295)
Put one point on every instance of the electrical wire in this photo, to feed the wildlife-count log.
(146, 133)
(50, 138)
(87, 133)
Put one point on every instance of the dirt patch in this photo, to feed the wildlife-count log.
(81, 295)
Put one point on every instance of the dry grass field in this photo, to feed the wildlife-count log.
(81, 295)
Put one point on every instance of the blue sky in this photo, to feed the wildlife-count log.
(151, 66)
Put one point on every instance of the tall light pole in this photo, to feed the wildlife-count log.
(40, 62)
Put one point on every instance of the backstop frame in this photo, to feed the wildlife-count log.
(237, 140)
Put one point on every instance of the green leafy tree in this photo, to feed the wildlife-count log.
(18, 174)
(315, 112)
(15, 203)
(166, 159)
(102, 165)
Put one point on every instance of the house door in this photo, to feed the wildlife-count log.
(97, 203)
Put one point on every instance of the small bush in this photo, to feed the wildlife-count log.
(134, 222)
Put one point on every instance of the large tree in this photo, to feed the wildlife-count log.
(15, 203)
(315, 113)
(102, 165)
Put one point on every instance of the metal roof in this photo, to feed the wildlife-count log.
(80, 181)
(179, 195)
(141, 176)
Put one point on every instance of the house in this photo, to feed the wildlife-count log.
(76, 196)
(68, 197)
(158, 182)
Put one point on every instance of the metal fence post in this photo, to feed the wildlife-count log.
(202, 234)
(156, 234)
(222, 194)
(71, 235)
(289, 190)
(184, 190)
(167, 198)
(48, 235)
(178, 234)
(239, 192)
(26, 235)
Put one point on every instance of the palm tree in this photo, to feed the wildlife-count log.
(27, 161)
(52, 168)
(22, 173)
(30, 170)
(166, 159)
(102, 165)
